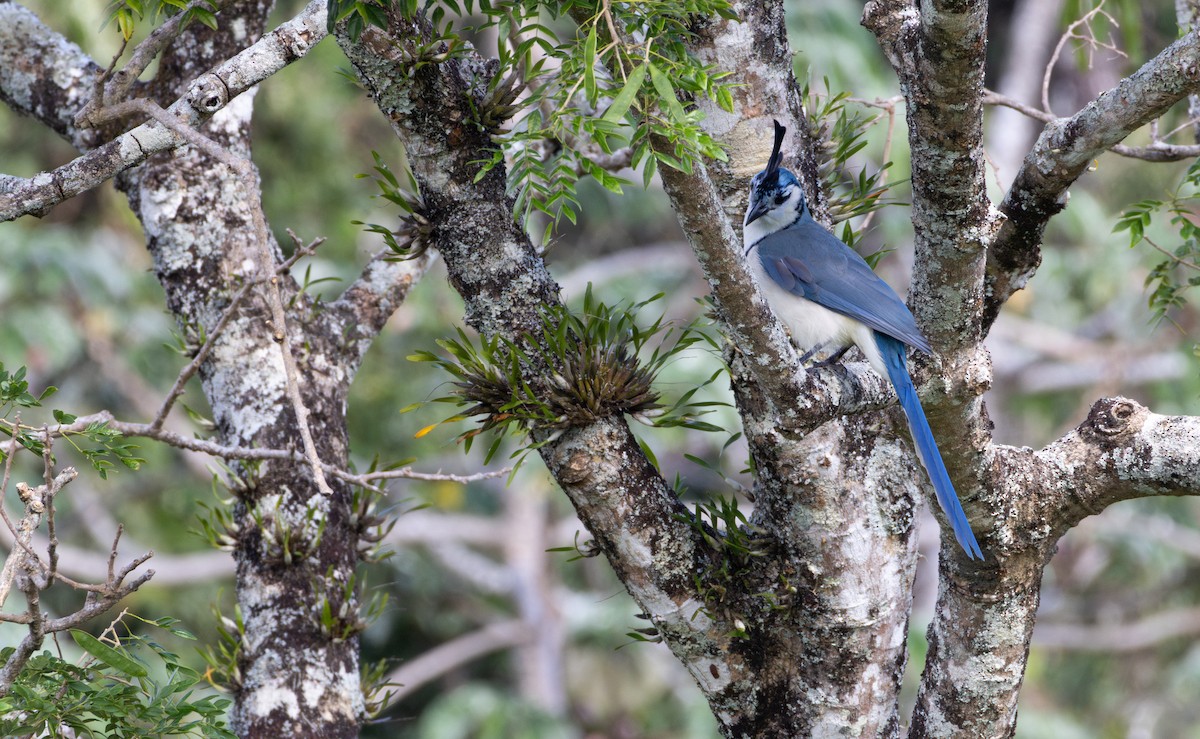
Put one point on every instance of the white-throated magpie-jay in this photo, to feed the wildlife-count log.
(829, 297)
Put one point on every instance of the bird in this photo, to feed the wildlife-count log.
(830, 299)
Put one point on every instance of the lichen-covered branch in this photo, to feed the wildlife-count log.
(1122, 451)
(1067, 148)
(42, 75)
(368, 302)
(620, 497)
(938, 55)
(817, 500)
(983, 623)
(205, 96)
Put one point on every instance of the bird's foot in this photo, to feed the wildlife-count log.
(826, 362)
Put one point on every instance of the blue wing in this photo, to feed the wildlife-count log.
(808, 261)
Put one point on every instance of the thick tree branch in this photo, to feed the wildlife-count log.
(817, 489)
(938, 55)
(1066, 149)
(42, 75)
(619, 495)
(267, 274)
(983, 623)
(208, 94)
(367, 304)
(1122, 451)
(974, 667)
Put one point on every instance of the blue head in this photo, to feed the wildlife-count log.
(775, 196)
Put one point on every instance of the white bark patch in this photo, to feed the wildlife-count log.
(702, 670)
(334, 370)
(334, 693)
(271, 696)
(234, 118)
(247, 384)
(162, 205)
(238, 28)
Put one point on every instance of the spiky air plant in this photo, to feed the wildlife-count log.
(598, 380)
(410, 238)
(595, 368)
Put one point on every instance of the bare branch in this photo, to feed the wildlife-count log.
(210, 93)
(1120, 637)
(1088, 38)
(37, 501)
(407, 473)
(1063, 153)
(1156, 151)
(25, 568)
(444, 658)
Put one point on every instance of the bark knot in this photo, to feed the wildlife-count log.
(577, 469)
(209, 94)
(1112, 417)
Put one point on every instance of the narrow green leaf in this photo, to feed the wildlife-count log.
(624, 99)
(589, 67)
(114, 658)
(666, 93)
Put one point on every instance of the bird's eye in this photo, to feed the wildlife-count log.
(780, 198)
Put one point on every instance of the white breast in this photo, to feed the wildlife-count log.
(812, 325)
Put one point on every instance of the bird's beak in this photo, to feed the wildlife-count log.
(757, 210)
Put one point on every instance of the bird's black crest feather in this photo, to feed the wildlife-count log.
(776, 156)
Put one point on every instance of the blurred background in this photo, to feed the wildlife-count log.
(490, 634)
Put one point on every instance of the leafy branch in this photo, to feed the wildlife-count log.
(1179, 271)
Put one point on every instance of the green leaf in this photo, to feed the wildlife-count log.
(589, 67)
(206, 17)
(624, 99)
(666, 93)
(116, 659)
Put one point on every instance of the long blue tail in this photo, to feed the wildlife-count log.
(897, 369)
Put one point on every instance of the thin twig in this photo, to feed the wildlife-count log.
(888, 106)
(8, 463)
(211, 337)
(1171, 256)
(245, 170)
(991, 97)
(1091, 41)
(144, 430)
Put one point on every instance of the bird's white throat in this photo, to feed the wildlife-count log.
(781, 216)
